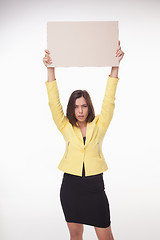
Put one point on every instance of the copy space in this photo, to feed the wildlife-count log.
(83, 43)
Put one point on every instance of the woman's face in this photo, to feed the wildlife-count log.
(81, 109)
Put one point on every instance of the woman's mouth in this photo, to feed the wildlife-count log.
(81, 116)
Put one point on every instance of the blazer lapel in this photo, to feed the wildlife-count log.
(89, 132)
(78, 133)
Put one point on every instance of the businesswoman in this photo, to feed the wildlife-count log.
(82, 193)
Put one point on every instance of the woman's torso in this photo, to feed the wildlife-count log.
(83, 170)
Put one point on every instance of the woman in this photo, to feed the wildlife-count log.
(82, 192)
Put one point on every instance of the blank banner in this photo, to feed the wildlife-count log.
(83, 43)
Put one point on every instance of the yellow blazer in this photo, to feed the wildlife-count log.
(76, 152)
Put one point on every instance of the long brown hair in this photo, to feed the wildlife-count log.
(71, 106)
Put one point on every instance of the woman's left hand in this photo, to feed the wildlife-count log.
(119, 52)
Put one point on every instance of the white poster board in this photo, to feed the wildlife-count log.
(83, 43)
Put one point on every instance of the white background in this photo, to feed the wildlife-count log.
(31, 146)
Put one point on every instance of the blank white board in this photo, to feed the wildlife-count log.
(83, 43)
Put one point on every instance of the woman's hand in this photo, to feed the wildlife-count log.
(119, 52)
(47, 59)
(51, 70)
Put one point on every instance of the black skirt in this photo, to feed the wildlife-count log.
(84, 200)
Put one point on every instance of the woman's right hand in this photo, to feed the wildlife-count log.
(47, 59)
(51, 70)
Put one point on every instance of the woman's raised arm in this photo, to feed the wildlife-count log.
(51, 70)
(108, 104)
(119, 53)
(53, 95)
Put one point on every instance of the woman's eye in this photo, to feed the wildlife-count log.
(83, 106)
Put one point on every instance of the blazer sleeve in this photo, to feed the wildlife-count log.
(55, 105)
(108, 103)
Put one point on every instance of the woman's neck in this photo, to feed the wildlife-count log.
(82, 124)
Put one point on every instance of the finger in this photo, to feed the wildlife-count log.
(118, 52)
(45, 58)
(120, 58)
(119, 48)
(47, 51)
(48, 58)
(121, 54)
(46, 61)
